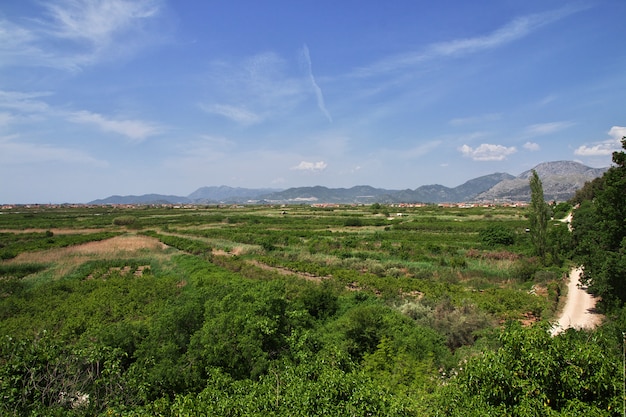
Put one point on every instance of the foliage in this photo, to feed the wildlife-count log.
(600, 235)
(43, 376)
(588, 191)
(497, 235)
(532, 373)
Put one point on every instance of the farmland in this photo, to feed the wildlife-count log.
(293, 310)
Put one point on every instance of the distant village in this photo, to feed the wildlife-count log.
(282, 205)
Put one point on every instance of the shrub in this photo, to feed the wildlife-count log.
(496, 235)
(124, 220)
(353, 222)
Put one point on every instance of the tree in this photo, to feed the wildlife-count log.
(600, 235)
(539, 216)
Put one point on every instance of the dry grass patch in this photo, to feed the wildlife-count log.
(63, 260)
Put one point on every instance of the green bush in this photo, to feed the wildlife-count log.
(497, 235)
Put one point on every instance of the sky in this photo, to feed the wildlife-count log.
(121, 97)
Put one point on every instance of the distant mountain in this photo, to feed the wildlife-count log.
(142, 199)
(359, 194)
(225, 194)
(464, 192)
(560, 181)
(365, 194)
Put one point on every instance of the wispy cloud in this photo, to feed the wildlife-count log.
(24, 102)
(20, 152)
(310, 166)
(97, 22)
(606, 147)
(237, 114)
(6, 118)
(413, 152)
(316, 88)
(76, 33)
(483, 118)
(487, 152)
(263, 82)
(136, 130)
(30, 104)
(510, 32)
(547, 128)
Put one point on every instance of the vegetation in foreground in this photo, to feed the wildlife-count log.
(343, 311)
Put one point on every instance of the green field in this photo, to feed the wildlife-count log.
(296, 310)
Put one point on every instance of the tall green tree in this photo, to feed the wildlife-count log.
(600, 235)
(539, 216)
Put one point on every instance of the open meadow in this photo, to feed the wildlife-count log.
(282, 310)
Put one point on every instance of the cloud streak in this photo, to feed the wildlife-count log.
(234, 113)
(30, 104)
(510, 32)
(316, 88)
(14, 153)
(136, 130)
(547, 128)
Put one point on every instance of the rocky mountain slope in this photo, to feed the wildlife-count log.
(560, 181)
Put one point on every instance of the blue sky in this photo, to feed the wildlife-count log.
(102, 97)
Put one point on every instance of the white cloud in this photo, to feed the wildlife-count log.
(316, 88)
(236, 114)
(487, 152)
(547, 128)
(531, 146)
(606, 147)
(133, 129)
(310, 166)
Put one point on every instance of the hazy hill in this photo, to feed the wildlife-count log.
(319, 194)
(227, 194)
(142, 199)
(560, 181)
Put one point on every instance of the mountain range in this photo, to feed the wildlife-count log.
(560, 181)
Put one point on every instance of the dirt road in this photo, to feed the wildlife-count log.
(579, 311)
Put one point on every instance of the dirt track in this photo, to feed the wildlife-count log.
(579, 311)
